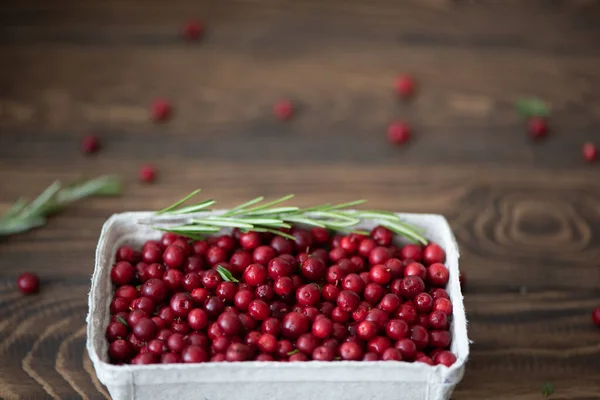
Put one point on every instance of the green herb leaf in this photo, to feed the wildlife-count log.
(178, 203)
(547, 389)
(226, 275)
(122, 320)
(532, 107)
(295, 351)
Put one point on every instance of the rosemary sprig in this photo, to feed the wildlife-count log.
(273, 217)
(24, 216)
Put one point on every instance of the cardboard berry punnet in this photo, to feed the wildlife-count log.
(254, 380)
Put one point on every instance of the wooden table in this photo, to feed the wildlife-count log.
(527, 215)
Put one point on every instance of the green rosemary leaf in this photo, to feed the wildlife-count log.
(194, 208)
(37, 205)
(532, 107)
(402, 230)
(226, 275)
(295, 351)
(122, 320)
(14, 210)
(346, 205)
(178, 203)
(547, 389)
(273, 222)
(223, 222)
(276, 210)
(274, 231)
(270, 204)
(102, 186)
(241, 207)
(18, 225)
(304, 220)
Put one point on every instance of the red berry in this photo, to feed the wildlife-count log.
(382, 235)
(122, 273)
(423, 302)
(181, 304)
(255, 274)
(444, 305)
(259, 310)
(323, 353)
(407, 347)
(420, 336)
(378, 317)
(194, 354)
(353, 283)
(308, 295)
(90, 144)
(396, 329)
(116, 330)
(590, 152)
(314, 269)
(538, 127)
(437, 274)
(373, 293)
(145, 329)
(250, 240)
(120, 350)
(147, 174)
(348, 300)
(322, 328)
(439, 339)
(155, 289)
(445, 358)
(307, 343)
(380, 274)
(193, 30)
(197, 319)
(404, 85)
(391, 354)
(415, 269)
(407, 313)
(378, 345)
(366, 330)
(596, 316)
(263, 254)
(438, 320)
(389, 303)
(350, 351)
(434, 254)
(379, 255)
(267, 343)
(160, 110)
(294, 324)
(411, 252)
(398, 133)
(411, 286)
(143, 303)
(230, 323)
(283, 110)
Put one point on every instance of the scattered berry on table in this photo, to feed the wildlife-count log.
(160, 110)
(405, 86)
(398, 133)
(193, 30)
(590, 152)
(538, 127)
(283, 109)
(90, 144)
(596, 316)
(28, 283)
(147, 173)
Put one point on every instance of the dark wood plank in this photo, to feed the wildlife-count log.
(527, 216)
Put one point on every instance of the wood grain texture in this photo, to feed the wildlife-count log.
(527, 216)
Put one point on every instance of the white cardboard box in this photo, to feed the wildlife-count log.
(315, 380)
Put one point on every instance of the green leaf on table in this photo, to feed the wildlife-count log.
(547, 389)
(532, 107)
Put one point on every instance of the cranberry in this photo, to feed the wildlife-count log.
(398, 133)
(348, 300)
(423, 303)
(382, 235)
(322, 328)
(378, 317)
(193, 30)
(120, 350)
(121, 273)
(308, 295)
(135, 316)
(298, 357)
(538, 127)
(319, 235)
(147, 173)
(174, 256)
(199, 295)
(213, 307)
(238, 352)
(396, 268)
(145, 329)
(379, 255)
(160, 110)
(173, 279)
(334, 274)
(250, 240)
(596, 316)
(154, 270)
(180, 327)
(255, 274)
(327, 308)
(143, 303)
(271, 326)
(415, 269)
(380, 274)
(220, 344)
(226, 242)
(437, 274)
(439, 339)
(389, 303)
(156, 346)
(407, 313)
(391, 354)
(361, 312)
(280, 267)
(314, 269)
(128, 292)
(407, 347)
(265, 292)
(230, 324)
(116, 330)
(404, 86)
(330, 292)
(303, 239)
(423, 320)
(323, 353)
(155, 289)
(240, 260)
(444, 358)
(336, 254)
(90, 144)
(378, 345)
(411, 286)
(167, 239)
(170, 358)
(353, 283)
(370, 356)
(438, 320)
(197, 319)
(420, 336)
(350, 351)
(283, 109)
(184, 243)
(137, 343)
(282, 245)
(366, 246)
(259, 310)
(119, 304)
(152, 254)
(293, 325)
(590, 152)
(443, 305)
(283, 286)
(366, 330)
(181, 304)
(411, 252)
(226, 291)
(349, 245)
(194, 354)
(434, 254)
(215, 255)
(396, 329)
(263, 254)
(126, 253)
(439, 293)
(358, 262)
(339, 315)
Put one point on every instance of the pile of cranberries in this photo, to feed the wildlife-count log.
(257, 296)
